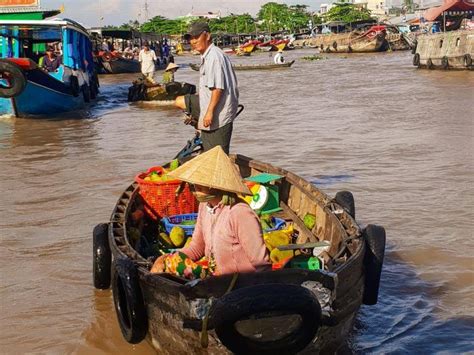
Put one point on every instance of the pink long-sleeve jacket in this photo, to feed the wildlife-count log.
(232, 235)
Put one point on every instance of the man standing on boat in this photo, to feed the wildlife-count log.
(218, 91)
(147, 58)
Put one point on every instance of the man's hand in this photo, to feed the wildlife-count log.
(207, 120)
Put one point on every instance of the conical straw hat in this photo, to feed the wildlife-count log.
(213, 169)
(171, 66)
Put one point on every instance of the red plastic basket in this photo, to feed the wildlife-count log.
(159, 197)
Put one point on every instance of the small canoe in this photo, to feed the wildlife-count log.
(253, 67)
(284, 311)
(143, 91)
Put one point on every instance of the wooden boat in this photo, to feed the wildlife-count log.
(372, 40)
(115, 64)
(28, 90)
(445, 50)
(142, 90)
(253, 67)
(283, 311)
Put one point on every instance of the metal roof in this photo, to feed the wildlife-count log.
(52, 22)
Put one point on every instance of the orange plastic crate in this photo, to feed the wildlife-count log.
(159, 197)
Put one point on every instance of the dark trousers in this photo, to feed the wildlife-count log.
(220, 136)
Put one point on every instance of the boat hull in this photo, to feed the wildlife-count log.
(121, 66)
(43, 96)
(347, 43)
(176, 309)
(253, 67)
(445, 50)
(264, 66)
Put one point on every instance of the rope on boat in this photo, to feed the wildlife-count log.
(205, 321)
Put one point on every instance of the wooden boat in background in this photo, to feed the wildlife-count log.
(141, 90)
(116, 64)
(264, 66)
(445, 50)
(372, 40)
(272, 312)
(253, 67)
(453, 48)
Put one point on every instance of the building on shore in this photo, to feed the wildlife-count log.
(24, 10)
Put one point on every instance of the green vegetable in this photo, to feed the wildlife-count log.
(174, 164)
(309, 220)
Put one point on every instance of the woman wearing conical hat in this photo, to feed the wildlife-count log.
(168, 75)
(227, 230)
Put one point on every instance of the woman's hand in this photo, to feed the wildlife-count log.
(159, 265)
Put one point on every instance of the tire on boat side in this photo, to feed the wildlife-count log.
(467, 60)
(128, 301)
(346, 200)
(445, 63)
(17, 79)
(245, 302)
(74, 85)
(375, 249)
(102, 256)
(86, 92)
(416, 60)
(429, 64)
(413, 49)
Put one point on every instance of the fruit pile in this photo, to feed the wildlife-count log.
(161, 175)
(176, 239)
(275, 238)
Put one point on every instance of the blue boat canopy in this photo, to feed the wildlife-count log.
(16, 36)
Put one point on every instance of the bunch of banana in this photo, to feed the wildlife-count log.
(266, 221)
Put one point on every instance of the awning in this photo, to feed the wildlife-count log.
(449, 6)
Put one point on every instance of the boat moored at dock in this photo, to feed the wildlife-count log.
(29, 89)
(453, 48)
(445, 50)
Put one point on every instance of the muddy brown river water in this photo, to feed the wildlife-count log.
(400, 139)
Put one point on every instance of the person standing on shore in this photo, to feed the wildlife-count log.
(218, 91)
(147, 58)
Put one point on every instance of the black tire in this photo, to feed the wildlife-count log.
(131, 93)
(173, 88)
(445, 63)
(346, 200)
(416, 60)
(16, 78)
(128, 301)
(245, 302)
(74, 85)
(429, 64)
(467, 60)
(94, 85)
(413, 49)
(86, 93)
(102, 257)
(375, 249)
(93, 91)
(188, 89)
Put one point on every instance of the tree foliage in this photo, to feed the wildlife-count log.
(160, 24)
(271, 17)
(276, 17)
(346, 12)
(233, 24)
